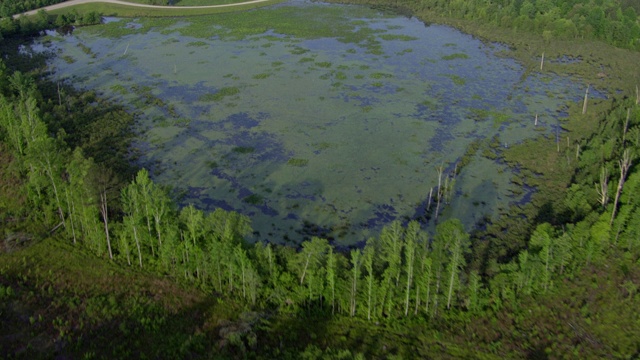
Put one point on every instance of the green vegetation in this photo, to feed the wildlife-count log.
(222, 93)
(254, 199)
(455, 56)
(613, 21)
(556, 278)
(243, 149)
(380, 75)
(261, 76)
(297, 162)
(456, 79)
(390, 37)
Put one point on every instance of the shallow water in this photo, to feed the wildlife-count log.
(318, 135)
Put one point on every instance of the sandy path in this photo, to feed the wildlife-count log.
(78, 2)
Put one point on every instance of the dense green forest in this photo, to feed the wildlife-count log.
(613, 21)
(559, 278)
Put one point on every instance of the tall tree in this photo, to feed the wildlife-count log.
(309, 262)
(105, 182)
(371, 282)
(391, 243)
(83, 202)
(193, 221)
(332, 278)
(131, 206)
(411, 245)
(542, 240)
(624, 165)
(356, 255)
(456, 243)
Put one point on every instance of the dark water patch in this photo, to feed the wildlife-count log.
(241, 121)
(362, 100)
(210, 204)
(382, 214)
(293, 195)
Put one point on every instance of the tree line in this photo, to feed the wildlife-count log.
(402, 272)
(613, 21)
(405, 272)
(32, 25)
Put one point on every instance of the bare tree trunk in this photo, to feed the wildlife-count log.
(625, 163)
(59, 96)
(135, 235)
(586, 97)
(104, 211)
(415, 310)
(542, 61)
(439, 169)
(603, 189)
(71, 208)
(49, 172)
(626, 126)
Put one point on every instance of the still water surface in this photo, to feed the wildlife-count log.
(311, 133)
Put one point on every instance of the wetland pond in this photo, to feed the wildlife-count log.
(316, 119)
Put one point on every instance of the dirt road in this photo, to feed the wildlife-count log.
(78, 2)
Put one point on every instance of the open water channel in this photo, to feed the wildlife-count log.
(316, 119)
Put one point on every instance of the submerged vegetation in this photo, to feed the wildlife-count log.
(78, 223)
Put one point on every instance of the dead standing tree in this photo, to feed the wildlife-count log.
(603, 187)
(625, 164)
(439, 193)
(586, 98)
(105, 183)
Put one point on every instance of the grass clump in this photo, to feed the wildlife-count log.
(297, 162)
(262, 76)
(456, 79)
(224, 92)
(297, 50)
(254, 199)
(68, 59)
(119, 89)
(400, 37)
(380, 75)
(197, 43)
(243, 149)
(455, 56)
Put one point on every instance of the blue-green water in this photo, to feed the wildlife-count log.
(318, 135)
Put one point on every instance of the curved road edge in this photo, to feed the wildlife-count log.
(118, 2)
